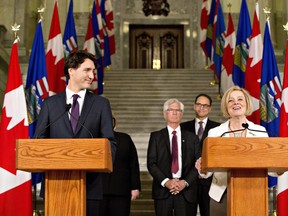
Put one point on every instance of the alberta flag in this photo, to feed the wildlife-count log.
(242, 46)
(70, 37)
(36, 82)
(270, 96)
(218, 39)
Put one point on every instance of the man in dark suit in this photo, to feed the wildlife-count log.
(202, 108)
(171, 157)
(93, 120)
(122, 185)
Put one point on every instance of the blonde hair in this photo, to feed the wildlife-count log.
(226, 96)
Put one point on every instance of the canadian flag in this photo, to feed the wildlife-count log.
(204, 25)
(55, 55)
(254, 66)
(228, 56)
(282, 186)
(99, 42)
(15, 185)
(89, 46)
(108, 23)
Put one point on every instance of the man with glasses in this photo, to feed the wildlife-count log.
(200, 126)
(171, 157)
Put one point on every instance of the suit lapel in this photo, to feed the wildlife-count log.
(183, 145)
(193, 126)
(166, 141)
(207, 128)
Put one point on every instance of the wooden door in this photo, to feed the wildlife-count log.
(156, 43)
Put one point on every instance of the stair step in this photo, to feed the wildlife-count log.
(144, 204)
(145, 193)
(142, 213)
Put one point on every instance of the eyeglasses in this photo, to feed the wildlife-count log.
(174, 110)
(205, 106)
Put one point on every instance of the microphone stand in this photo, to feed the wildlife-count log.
(35, 211)
(274, 204)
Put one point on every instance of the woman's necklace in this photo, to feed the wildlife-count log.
(236, 134)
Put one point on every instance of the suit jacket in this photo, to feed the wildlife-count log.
(159, 163)
(126, 172)
(95, 122)
(219, 182)
(190, 126)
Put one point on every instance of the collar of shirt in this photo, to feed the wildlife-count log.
(69, 97)
(197, 123)
(170, 130)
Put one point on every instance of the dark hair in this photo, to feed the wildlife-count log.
(204, 95)
(75, 59)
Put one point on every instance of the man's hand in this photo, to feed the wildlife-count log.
(198, 164)
(175, 186)
(134, 194)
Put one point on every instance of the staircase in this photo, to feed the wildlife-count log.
(137, 98)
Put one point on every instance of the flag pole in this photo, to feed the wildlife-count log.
(219, 96)
(206, 63)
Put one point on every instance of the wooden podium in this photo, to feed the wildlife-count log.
(65, 162)
(247, 161)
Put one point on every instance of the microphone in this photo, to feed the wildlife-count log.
(82, 125)
(232, 131)
(246, 126)
(67, 107)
